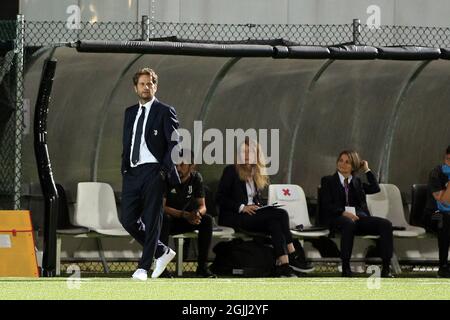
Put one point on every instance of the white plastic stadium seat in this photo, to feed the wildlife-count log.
(388, 204)
(96, 209)
(293, 199)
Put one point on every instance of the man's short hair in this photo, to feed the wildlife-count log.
(448, 150)
(145, 71)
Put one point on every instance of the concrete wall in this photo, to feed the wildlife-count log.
(393, 12)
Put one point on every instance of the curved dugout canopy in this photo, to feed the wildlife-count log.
(394, 112)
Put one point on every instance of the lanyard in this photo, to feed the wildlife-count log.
(346, 188)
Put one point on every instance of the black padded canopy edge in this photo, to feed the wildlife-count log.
(177, 48)
(339, 52)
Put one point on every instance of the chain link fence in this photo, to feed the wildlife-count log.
(45, 33)
(404, 36)
(121, 268)
(321, 269)
(50, 33)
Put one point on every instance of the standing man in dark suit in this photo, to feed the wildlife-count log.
(343, 204)
(149, 127)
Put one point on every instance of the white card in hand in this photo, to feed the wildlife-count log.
(351, 210)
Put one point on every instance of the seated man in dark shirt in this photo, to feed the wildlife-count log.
(438, 209)
(185, 211)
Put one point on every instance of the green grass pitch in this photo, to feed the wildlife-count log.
(322, 288)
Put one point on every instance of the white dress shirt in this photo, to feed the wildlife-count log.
(342, 178)
(145, 156)
(251, 193)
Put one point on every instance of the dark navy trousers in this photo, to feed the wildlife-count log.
(366, 225)
(142, 198)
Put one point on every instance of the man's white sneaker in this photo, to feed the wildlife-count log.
(140, 274)
(161, 262)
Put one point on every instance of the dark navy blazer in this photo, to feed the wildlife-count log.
(332, 195)
(231, 193)
(161, 123)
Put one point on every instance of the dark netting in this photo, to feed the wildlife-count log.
(7, 30)
(11, 115)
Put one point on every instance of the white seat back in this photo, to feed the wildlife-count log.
(388, 204)
(293, 199)
(96, 207)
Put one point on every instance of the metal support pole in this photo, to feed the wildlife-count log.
(145, 28)
(19, 126)
(356, 31)
(179, 245)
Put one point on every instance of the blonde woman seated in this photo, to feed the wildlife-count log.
(239, 197)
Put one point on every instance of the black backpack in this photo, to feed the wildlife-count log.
(243, 258)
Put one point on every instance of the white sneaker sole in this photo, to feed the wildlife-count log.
(303, 270)
(138, 279)
(158, 271)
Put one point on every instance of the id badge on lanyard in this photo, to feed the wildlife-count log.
(347, 207)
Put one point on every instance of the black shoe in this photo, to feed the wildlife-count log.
(444, 272)
(204, 273)
(166, 274)
(347, 273)
(284, 271)
(386, 273)
(300, 265)
(299, 274)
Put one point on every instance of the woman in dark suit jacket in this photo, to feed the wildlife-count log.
(343, 204)
(239, 198)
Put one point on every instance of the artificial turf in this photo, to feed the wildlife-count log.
(322, 288)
